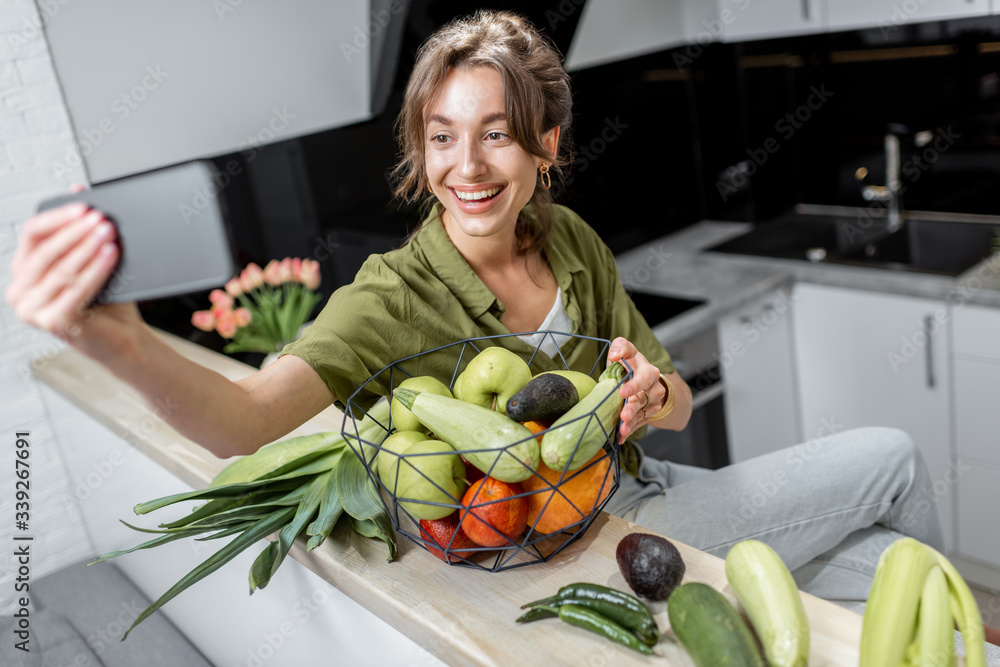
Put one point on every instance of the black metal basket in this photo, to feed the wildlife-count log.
(532, 546)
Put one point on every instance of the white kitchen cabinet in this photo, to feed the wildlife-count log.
(867, 359)
(756, 360)
(978, 519)
(976, 361)
(747, 19)
(890, 14)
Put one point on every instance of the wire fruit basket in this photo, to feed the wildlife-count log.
(574, 497)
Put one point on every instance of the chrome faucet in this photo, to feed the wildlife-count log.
(891, 192)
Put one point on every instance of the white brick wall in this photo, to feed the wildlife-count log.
(34, 132)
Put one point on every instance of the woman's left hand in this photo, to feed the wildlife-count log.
(644, 394)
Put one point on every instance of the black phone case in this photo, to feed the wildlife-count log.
(172, 231)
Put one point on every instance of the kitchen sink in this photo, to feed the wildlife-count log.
(804, 236)
(928, 246)
(925, 243)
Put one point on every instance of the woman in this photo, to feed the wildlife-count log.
(483, 129)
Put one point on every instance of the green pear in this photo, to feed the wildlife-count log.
(430, 471)
(493, 376)
(397, 443)
(584, 383)
(402, 418)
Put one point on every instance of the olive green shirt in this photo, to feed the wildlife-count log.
(424, 295)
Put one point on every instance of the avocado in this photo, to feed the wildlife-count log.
(651, 565)
(583, 382)
(544, 399)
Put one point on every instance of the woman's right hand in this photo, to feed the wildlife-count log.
(64, 257)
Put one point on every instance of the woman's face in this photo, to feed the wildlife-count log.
(477, 171)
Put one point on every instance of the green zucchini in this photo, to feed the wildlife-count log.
(710, 629)
(489, 440)
(578, 426)
(768, 593)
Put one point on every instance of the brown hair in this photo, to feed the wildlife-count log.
(536, 99)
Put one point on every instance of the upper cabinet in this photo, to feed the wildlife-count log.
(888, 14)
(612, 30)
(747, 19)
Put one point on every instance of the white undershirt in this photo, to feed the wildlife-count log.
(556, 320)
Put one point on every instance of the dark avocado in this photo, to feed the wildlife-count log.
(544, 399)
(651, 565)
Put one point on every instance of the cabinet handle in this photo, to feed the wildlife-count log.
(929, 351)
(805, 10)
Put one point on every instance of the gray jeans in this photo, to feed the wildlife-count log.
(828, 507)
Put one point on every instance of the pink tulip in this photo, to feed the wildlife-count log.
(220, 298)
(286, 270)
(310, 274)
(272, 273)
(297, 270)
(233, 288)
(203, 319)
(226, 324)
(242, 317)
(255, 275)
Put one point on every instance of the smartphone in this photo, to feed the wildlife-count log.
(172, 231)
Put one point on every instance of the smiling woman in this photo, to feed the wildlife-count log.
(484, 123)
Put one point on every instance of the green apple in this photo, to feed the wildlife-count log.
(584, 383)
(430, 471)
(456, 389)
(493, 376)
(397, 443)
(402, 418)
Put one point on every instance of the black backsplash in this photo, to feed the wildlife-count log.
(738, 131)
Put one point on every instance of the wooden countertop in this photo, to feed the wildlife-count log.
(461, 615)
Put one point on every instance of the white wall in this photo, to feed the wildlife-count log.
(84, 477)
(34, 130)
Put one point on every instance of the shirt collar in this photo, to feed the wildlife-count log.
(449, 265)
(462, 281)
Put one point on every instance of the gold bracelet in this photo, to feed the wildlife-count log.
(668, 403)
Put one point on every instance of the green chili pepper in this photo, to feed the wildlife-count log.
(619, 607)
(588, 619)
(536, 614)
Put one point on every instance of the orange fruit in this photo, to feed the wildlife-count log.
(491, 516)
(447, 535)
(581, 491)
(535, 427)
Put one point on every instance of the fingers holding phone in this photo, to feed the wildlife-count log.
(63, 258)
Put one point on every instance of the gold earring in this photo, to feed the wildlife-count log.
(543, 170)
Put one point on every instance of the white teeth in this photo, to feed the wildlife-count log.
(476, 196)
